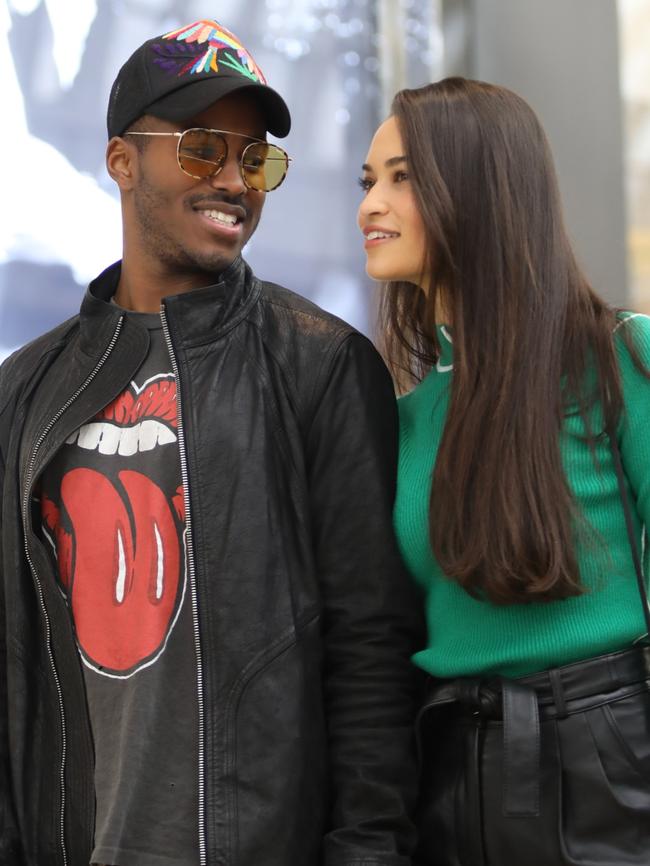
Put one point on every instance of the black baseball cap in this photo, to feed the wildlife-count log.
(181, 73)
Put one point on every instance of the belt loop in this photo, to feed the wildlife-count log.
(558, 693)
(521, 751)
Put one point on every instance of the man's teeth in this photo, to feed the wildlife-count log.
(219, 216)
(109, 439)
(372, 236)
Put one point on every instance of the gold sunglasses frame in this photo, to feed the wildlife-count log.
(223, 133)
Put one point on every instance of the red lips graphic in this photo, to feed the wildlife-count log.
(122, 564)
(157, 399)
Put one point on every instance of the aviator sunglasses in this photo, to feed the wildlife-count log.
(202, 153)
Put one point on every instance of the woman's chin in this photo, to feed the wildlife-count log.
(382, 275)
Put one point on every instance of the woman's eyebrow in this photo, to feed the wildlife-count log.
(394, 160)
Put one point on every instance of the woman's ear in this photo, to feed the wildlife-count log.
(122, 162)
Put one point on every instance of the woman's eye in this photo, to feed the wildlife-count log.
(365, 183)
(399, 176)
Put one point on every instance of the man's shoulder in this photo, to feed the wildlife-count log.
(18, 367)
(312, 346)
(294, 311)
(39, 346)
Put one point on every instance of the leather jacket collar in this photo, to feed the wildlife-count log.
(199, 316)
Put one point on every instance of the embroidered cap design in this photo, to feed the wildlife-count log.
(223, 49)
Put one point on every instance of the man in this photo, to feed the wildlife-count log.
(205, 623)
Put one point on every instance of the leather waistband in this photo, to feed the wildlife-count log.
(520, 703)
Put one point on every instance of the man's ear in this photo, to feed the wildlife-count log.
(122, 162)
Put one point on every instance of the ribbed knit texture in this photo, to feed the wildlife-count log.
(467, 636)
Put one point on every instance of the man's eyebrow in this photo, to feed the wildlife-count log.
(394, 160)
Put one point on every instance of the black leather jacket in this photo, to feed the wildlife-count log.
(305, 615)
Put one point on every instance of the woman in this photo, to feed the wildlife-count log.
(509, 512)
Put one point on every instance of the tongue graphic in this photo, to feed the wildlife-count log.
(125, 578)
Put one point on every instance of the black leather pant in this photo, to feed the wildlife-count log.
(547, 770)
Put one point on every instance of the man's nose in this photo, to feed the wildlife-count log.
(229, 178)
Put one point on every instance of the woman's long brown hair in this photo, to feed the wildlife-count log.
(526, 327)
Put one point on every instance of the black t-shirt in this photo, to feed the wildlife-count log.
(113, 513)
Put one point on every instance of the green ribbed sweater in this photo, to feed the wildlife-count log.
(467, 636)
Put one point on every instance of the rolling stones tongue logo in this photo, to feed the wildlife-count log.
(117, 525)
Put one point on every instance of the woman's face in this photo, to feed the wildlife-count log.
(388, 216)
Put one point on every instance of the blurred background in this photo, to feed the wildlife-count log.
(584, 65)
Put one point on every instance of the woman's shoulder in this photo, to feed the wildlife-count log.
(633, 330)
(423, 409)
(422, 391)
(632, 343)
(409, 401)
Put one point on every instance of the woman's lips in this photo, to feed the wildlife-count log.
(376, 235)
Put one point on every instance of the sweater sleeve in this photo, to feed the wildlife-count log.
(634, 427)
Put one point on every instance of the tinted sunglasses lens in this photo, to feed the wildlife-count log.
(201, 152)
(264, 166)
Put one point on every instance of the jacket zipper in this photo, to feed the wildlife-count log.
(48, 630)
(193, 591)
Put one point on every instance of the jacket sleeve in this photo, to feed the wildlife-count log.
(372, 619)
(9, 842)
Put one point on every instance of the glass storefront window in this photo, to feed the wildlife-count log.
(61, 223)
(635, 83)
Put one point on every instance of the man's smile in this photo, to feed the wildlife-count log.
(221, 217)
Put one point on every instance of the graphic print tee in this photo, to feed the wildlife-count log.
(113, 513)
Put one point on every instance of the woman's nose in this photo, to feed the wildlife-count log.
(372, 203)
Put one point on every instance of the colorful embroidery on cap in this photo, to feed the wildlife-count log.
(219, 39)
